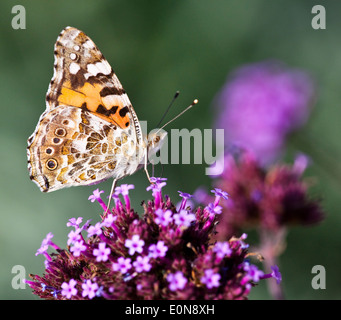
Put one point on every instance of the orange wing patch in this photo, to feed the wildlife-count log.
(110, 107)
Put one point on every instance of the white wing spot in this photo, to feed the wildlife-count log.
(74, 68)
(73, 56)
(76, 47)
(99, 67)
(92, 69)
(89, 44)
(103, 67)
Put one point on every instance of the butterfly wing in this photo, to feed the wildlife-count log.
(83, 78)
(89, 131)
(74, 147)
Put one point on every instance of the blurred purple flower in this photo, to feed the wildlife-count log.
(253, 272)
(102, 253)
(109, 220)
(89, 289)
(142, 264)
(222, 249)
(185, 196)
(177, 281)
(45, 245)
(211, 279)
(157, 250)
(271, 198)
(96, 196)
(276, 274)
(260, 104)
(42, 249)
(68, 289)
(163, 217)
(122, 265)
(77, 248)
(47, 239)
(184, 218)
(124, 189)
(134, 244)
(73, 222)
(73, 236)
(214, 209)
(95, 230)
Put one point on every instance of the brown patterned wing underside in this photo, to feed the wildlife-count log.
(73, 147)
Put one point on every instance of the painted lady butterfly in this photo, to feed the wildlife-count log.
(89, 131)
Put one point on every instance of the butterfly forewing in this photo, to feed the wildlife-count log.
(83, 78)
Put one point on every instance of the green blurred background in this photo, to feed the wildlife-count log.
(157, 47)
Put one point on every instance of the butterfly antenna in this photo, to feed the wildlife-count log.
(174, 98)
(195, 101)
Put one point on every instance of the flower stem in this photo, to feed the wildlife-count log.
(272, 245)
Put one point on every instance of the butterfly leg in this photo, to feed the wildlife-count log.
(111, 193)
(145, 167)
(153, 169)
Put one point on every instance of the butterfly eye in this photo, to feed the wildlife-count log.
(156, 139)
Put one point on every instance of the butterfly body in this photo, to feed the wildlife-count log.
(89, 131)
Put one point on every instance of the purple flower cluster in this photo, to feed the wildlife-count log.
(269, 199)
(260, 104)
(166, 253)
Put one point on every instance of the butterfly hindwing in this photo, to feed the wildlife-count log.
(73, 147)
